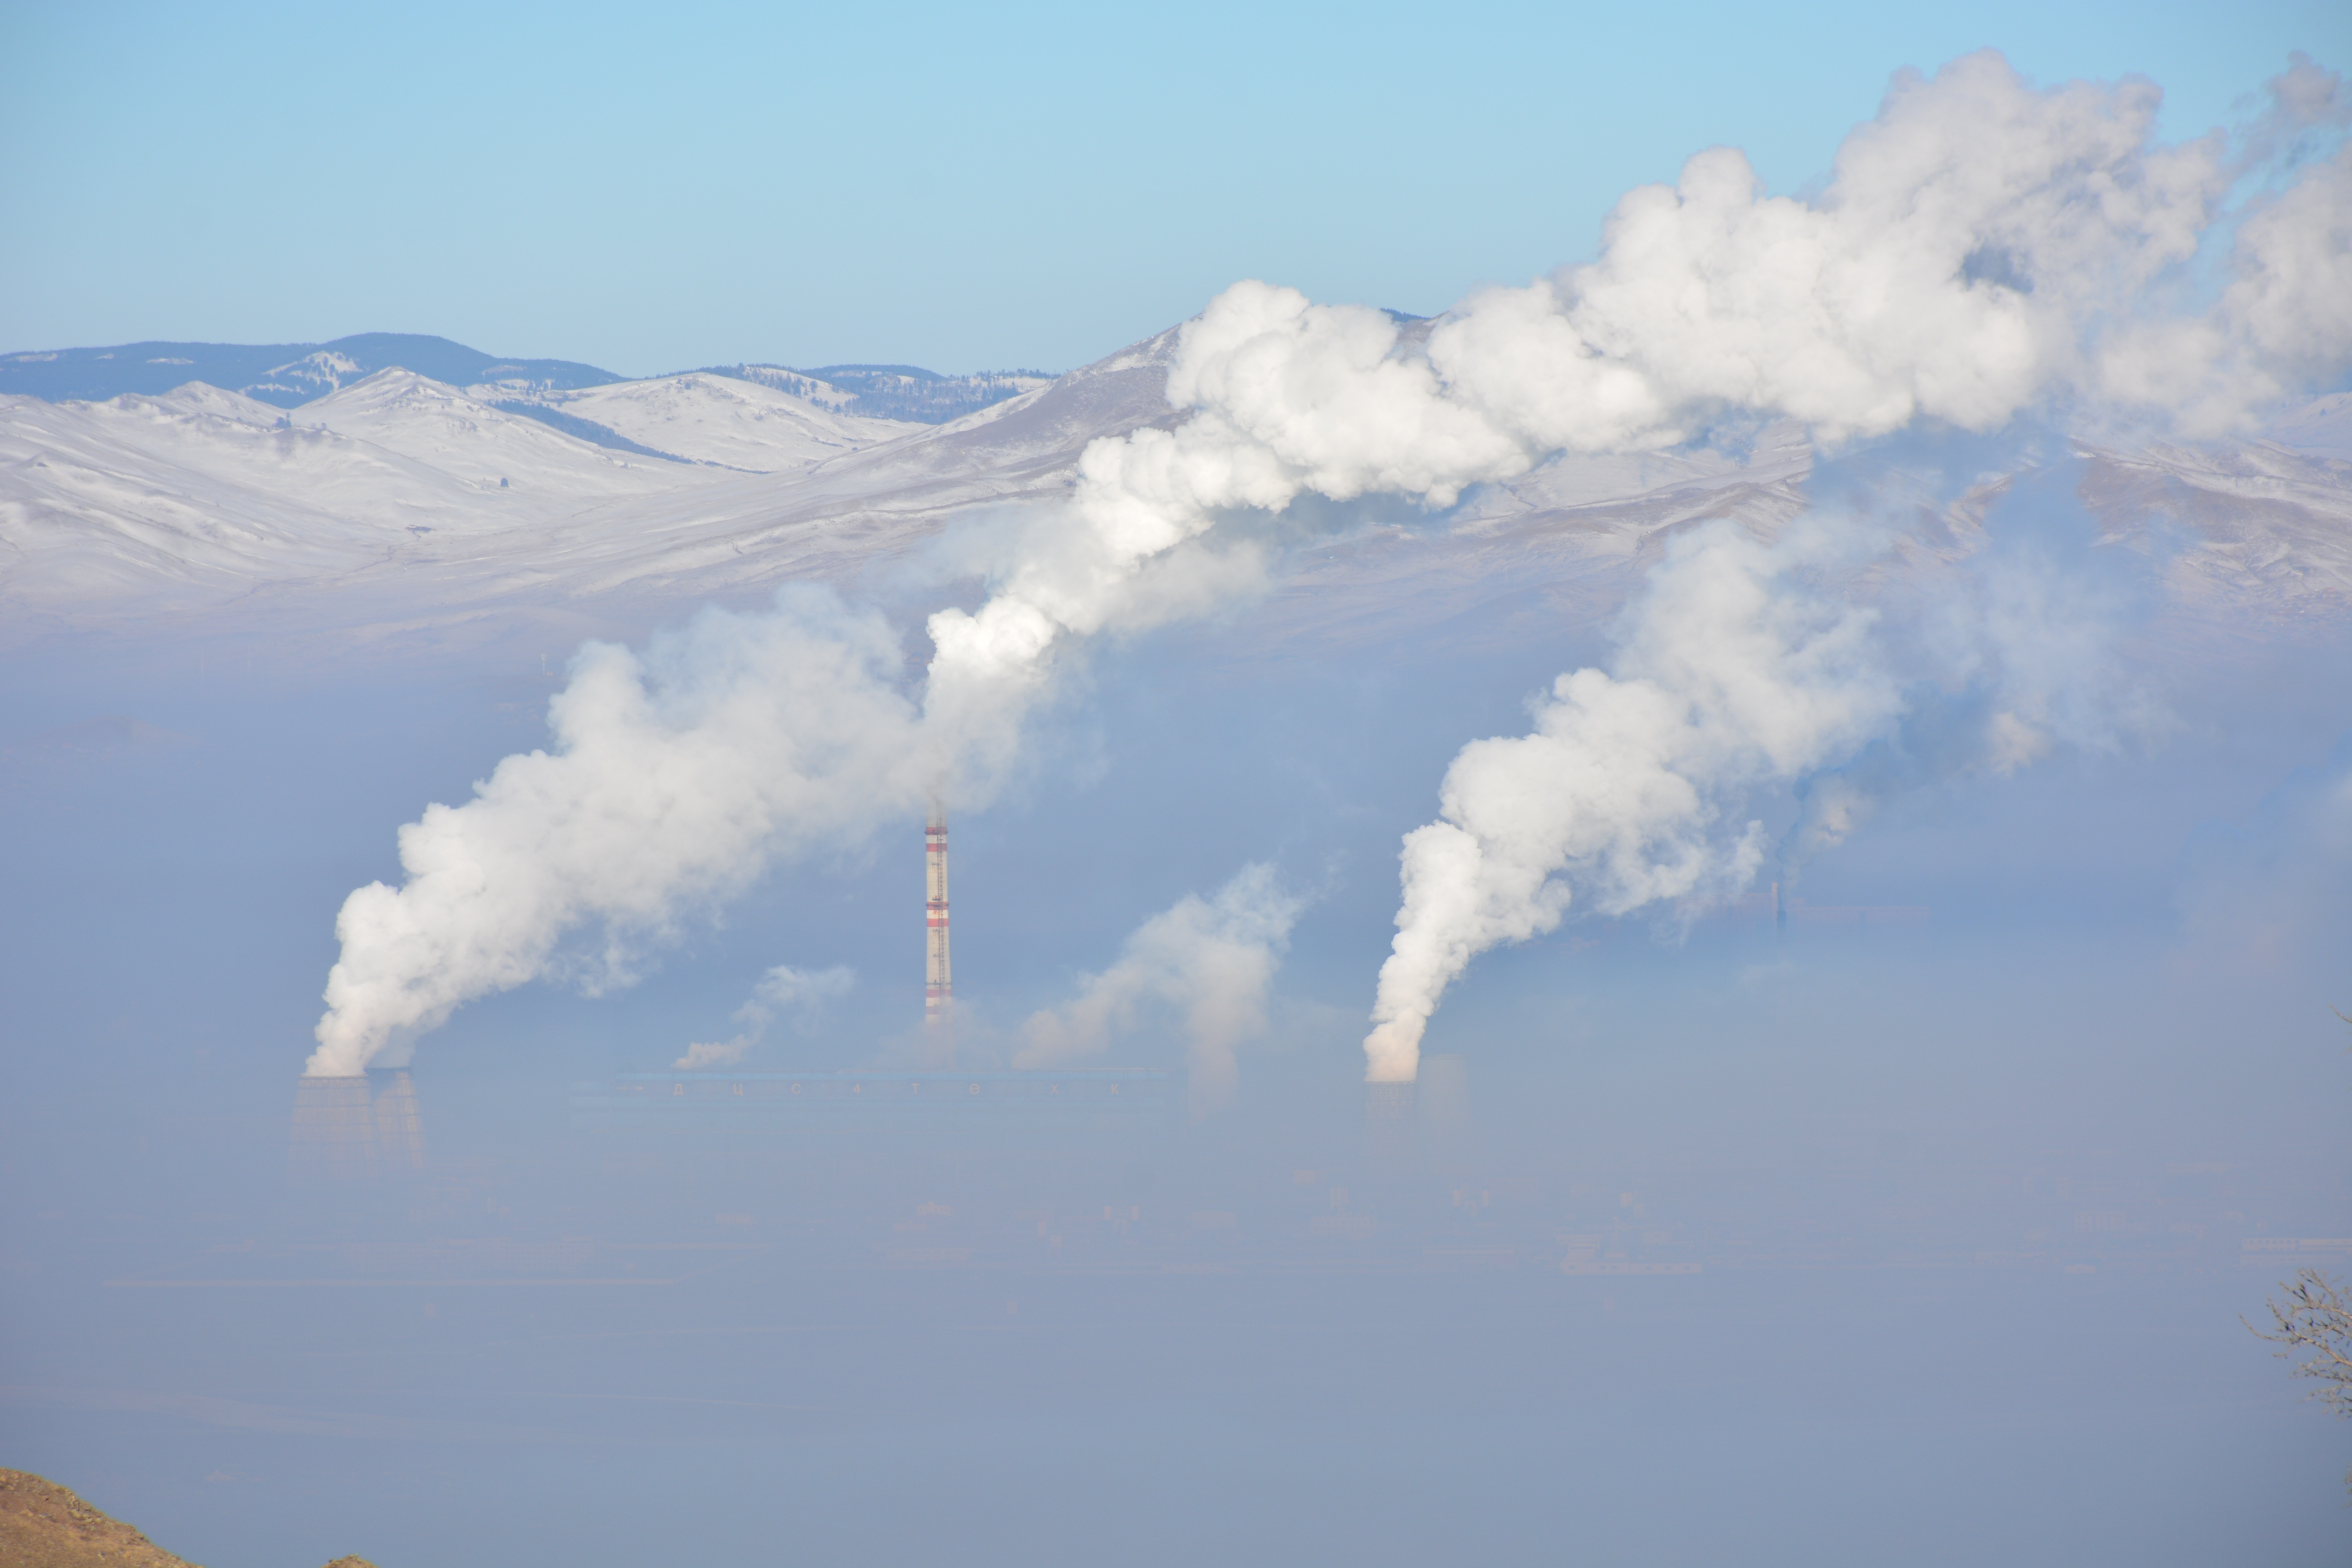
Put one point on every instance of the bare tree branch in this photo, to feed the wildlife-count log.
(2316, 1315)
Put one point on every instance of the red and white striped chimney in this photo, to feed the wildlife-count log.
(938, 991)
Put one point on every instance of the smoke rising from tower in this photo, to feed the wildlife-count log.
(1744, 667)
(1732, 674)
(1983, 247)
(1210, 963)
(780, 988)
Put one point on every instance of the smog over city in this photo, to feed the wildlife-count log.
(1238, 787)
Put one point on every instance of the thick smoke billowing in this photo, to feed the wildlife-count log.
(1741, 669)
(1732, 676)
(1210, 961)
(1983, 248)
(677, 777)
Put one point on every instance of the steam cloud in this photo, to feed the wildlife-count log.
(780, 988)
(1742, 668)
(1209, 961)
(1983, 247)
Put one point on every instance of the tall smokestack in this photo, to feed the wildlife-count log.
(937, 990)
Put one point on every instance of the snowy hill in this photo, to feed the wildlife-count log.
(289, 375)
(708, 419)
(898, 391)
(203, 493)
(398, 499)
(284, 374)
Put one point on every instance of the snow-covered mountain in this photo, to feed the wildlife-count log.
(285, 374)
(289, 375)
(711, 419)
(400, 499)
(403, 497)
(903, 392)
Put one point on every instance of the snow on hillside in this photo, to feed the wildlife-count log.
(202, 490)
(468, 439)
(402, 501)
(2264, 525)
(384, 500)
(717, 419)
(897, 392)
(2323, 426)
(286, 374)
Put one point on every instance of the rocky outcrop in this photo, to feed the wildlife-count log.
(43, 1525)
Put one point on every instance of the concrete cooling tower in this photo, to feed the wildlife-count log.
(1389, 1120)
(351, 1129)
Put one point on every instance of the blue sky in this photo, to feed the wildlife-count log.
(960, 187)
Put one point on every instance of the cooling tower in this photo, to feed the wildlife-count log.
(334, 1138)
(1389, 1131)
(399, 1133)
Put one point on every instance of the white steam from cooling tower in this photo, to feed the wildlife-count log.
(1210, 961)
(1983, 247)
(1736, 671)
(781, 989)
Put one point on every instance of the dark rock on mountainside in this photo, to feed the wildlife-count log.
(43, 1525)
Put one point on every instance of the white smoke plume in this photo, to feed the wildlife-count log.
(1209, 961)
(1732, 674)
(1745, 667)
(2015, 654)
(680, 777)
(1983, 246)
(676, 778)
(781, 988)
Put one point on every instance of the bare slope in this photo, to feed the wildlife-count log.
(43, 1525)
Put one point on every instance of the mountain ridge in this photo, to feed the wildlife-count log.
(293, 375)
(284, 375)
(399, 503)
